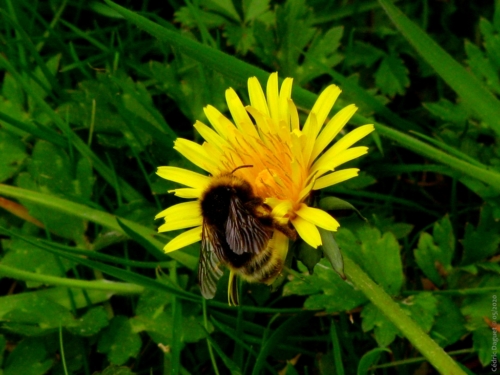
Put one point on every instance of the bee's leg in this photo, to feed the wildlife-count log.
(286, 229)
(232, 290)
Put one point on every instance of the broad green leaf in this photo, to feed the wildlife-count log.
(119, 342)
(449, 324)
(422, 308)
(391, 76)
(12, 91)
(377, 253)
(326, 290)
(491, 41)
(116, 370)
(13, 153)
(373, 319)
(448, 111)
(482, 67)
(434, 254)
(29, 357)
(210, 20)
(225, 7)
(254, 8)
(90, 323)
(43, 86)
(482, 343)
(427, 255)
(483, 241)
(363, 54)
(308, 255)
(37, 314)
(369, 359)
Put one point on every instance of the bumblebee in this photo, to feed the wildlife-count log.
(236, 230)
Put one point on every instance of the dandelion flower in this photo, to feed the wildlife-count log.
(287, 162)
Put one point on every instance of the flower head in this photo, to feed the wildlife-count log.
(288, 161)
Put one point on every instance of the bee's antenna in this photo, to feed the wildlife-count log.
(242, 166)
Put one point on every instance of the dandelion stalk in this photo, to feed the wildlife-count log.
(411, 330)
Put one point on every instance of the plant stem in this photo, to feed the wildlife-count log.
(411, 330)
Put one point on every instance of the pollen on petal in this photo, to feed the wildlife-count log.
(184, 239)
(318, 217)
(335, 178)
(307, 231)
(184, 177)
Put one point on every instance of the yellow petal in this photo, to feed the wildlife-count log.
(187, 193)
(318, 217)
(184, 177)
(279, 242)
(285, 95)
(181, 223)
(309, 139)
(334, 126)
(181, 210)
(322, 108)
(210, 135)
(335, 178)
(195, 154)
(272, 96)
(282, 209)
(307, 231)
(294, 116)
(257, 97)
(348, 155)
(239, 114)
(220, 123)
(341, 146)
(184, 239)
(349, 139)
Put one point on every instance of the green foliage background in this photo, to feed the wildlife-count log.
(92, 98)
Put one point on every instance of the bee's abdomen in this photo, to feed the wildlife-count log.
(262, 268)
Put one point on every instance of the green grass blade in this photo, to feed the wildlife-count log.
(472, 91)
(99, 217)
(46, 134)
(104, 285)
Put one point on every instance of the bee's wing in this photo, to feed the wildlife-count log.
(209, 269)
(244, 232)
